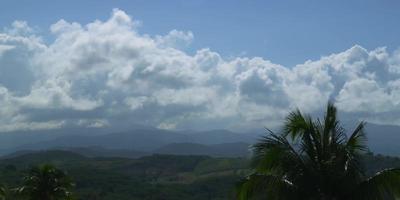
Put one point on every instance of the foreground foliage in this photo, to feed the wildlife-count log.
(157, 177)
(314, 160)
(46, 182)
(165, 177)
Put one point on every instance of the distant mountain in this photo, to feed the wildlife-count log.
(14, 139)
(221, 136)
(97, 151)
(141, 140)
(27, 159)
(10, 141)
(384, 139)
(90, 152)
(18, 154)
(238, 149)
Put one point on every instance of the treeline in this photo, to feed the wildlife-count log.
(166, 177)
(44, 182)
(154, 177)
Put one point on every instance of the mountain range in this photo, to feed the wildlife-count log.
(383, 139)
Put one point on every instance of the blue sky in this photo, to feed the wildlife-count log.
(201, 64)
(285, 32)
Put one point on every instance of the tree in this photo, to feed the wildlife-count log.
(46, 182)
(315, 159)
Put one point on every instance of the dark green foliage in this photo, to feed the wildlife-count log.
(155, 177)
(313, 160)
(165, 177)
(45, 182)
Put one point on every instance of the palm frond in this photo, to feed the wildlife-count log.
(315, 159)
(384, 184)
(358, 139)
(266, 186)
(333, 133)
(275, 152)
(296, 124)
(330, 123)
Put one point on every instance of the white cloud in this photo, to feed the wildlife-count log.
(97, 74)
(93, 123)
(136, 102)
(4, 48)
(30, 126)
(19, 28)
(175, 39)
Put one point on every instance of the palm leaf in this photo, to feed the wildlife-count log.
(265, 186)
(383, 185)
(274, 152)
(315, 159)
(296, 124)
(358, 139)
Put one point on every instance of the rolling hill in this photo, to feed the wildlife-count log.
(146, 140)
(383, 139)
(217, 150)
(162, 177)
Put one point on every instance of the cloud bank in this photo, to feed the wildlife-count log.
(106, 74)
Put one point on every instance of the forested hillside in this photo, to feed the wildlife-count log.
(166, 177)
(150, 177)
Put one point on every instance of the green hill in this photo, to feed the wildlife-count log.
(163, 177)
(149, 177)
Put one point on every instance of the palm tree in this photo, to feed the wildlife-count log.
(315, 160)
(46, 182)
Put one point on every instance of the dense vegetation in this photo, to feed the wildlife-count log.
(315, 159)
(154, 177)
(151, 177)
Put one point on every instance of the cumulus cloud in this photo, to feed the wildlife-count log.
(106, 73)
(175, 39)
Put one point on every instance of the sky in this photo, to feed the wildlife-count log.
(195, 64)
